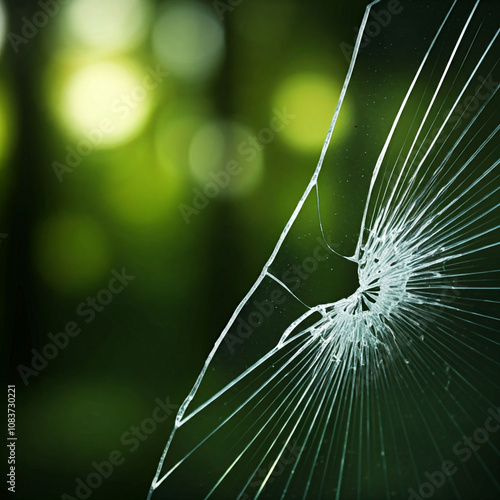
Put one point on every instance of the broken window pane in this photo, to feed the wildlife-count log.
(391, 389)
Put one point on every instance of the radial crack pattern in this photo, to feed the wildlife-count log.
(373, 395)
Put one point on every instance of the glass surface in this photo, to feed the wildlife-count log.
(390, 389)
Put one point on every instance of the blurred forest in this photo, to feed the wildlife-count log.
(150, 154)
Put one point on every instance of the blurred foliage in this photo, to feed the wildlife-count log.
(116, 115)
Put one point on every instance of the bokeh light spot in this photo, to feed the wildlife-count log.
(107, 103)
(227, 157)
(173, 136)
(109, 26)
(71, 252)
(312, 97)
(189, 40)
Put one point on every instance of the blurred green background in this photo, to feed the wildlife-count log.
(113, 113)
